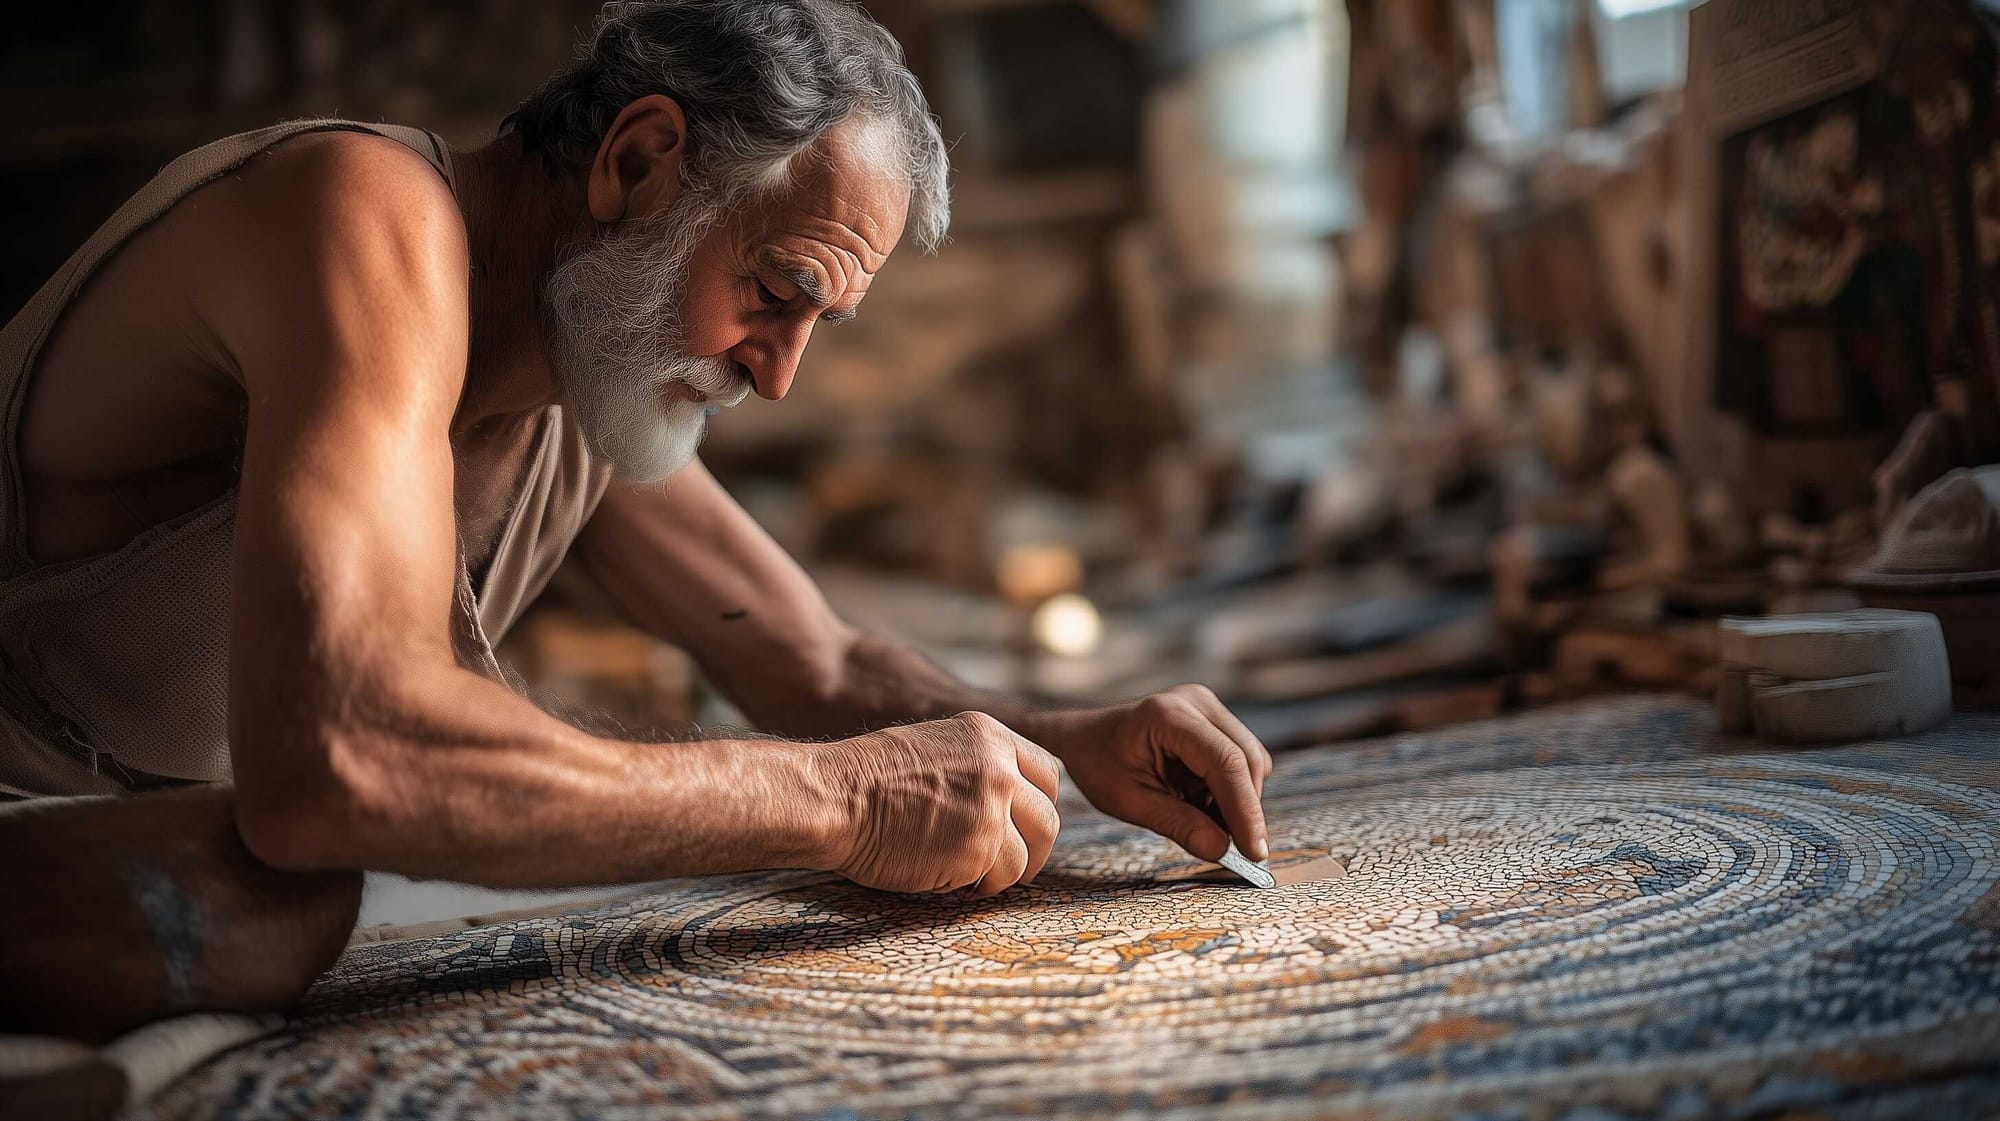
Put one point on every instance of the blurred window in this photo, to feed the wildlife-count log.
(1619, 9)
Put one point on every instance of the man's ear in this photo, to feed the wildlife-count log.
(637, 169)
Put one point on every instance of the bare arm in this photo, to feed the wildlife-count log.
(357, 740)
(685, 562)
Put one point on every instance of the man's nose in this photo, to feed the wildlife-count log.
(773, 362)
(774, 379)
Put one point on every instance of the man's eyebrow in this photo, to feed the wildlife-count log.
(802, 278)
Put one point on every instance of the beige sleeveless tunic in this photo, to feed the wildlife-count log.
(113, 669)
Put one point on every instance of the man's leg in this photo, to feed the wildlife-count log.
(116, 911)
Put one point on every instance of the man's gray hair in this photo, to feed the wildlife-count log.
(759, 81)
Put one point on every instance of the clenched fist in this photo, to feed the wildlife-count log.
(942, 805)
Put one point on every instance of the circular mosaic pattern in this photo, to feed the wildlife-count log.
(1524, 928)
(1501, 885)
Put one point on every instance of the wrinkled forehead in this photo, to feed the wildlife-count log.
(846, 192)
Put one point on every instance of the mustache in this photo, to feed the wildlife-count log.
(725, 383)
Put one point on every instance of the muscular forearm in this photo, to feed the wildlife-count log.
(685, 563)
(880, 683)
(484, 788)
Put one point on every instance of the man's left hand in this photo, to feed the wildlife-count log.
(1178, 763)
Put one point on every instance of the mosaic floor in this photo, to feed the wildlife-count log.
(1582, 914)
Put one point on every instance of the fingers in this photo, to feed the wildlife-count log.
(1178, 822)
(1236, 796)
(1035, 764)
(1024, 846)
(1035, 819)
(1038, 767)
(1226, 769)
(1008, 863)
(1028, 793)
(1253, 748)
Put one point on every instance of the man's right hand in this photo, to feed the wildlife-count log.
(944, 804)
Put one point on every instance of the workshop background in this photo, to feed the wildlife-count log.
(1382, 364)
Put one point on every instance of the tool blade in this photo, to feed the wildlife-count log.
(1248, 869)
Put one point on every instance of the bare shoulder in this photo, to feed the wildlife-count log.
(356, 179)
(333, 241)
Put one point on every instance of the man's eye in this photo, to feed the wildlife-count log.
(767, 297)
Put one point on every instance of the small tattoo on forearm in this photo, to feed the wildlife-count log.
(179, 930)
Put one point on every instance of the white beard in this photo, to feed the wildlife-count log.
(612, 312)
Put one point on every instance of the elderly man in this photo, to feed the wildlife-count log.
(303, 428)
